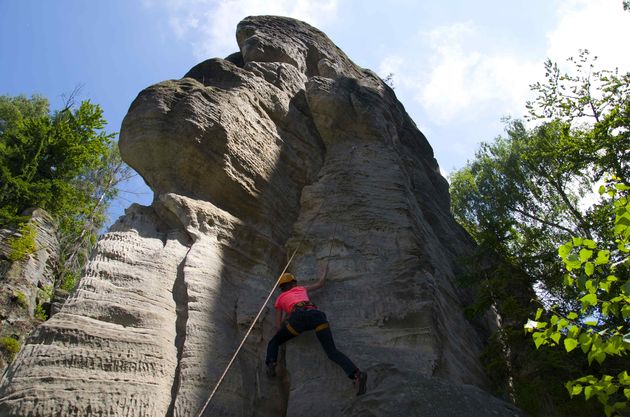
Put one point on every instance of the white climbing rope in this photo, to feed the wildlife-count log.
(251, 327)
(240, 346)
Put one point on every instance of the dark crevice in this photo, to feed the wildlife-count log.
(180, 296)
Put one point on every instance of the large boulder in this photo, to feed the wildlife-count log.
(286, 146)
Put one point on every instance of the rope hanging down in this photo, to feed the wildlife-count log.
(251, 327)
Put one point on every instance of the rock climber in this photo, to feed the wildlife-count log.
(303, 316)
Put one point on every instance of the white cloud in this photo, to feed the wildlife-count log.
(210, 25)
(391, 65)
(181, 26)
(462, 81)
(602, 27)
(467, 72)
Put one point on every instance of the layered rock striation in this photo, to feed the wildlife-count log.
(286, 145)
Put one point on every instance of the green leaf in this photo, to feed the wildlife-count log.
(577, 241)
(588, 392)
(589, 243)
(575, 390)
(603, 257)
(573, 331)
(573, 262)
(565, 250)
(608, 410)
(599, 356)
(568, 280)
(589, 300)
(589, 268)
(556, 337)
(602, 190)
(572, 315)
(538, 313)
(570, 344)
(585, 254)
(621, 225)
(591, 322)
(538, 339)
(585, 342)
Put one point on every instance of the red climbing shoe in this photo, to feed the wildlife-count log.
(360, 379)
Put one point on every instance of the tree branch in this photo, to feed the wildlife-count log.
(543, 221)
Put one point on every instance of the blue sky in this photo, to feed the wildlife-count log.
(459, 66)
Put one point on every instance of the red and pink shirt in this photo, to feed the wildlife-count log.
(288, 299)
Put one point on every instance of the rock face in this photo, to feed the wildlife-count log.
(284, 145)
(25, 283)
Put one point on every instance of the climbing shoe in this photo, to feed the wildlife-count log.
(360, 380)
(271, 370)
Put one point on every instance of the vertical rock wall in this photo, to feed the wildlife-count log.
(25, 283)
(284, 144)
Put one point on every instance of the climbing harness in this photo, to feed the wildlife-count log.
(251, 327)
(303, 305)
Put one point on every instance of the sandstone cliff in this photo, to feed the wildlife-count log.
(286, 143)
(26, 281)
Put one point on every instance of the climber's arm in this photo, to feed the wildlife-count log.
(320, 282)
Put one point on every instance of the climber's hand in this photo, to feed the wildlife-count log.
(323, 271)
(322, 278)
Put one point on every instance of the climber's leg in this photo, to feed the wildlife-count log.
(326, 339)
(282, 336)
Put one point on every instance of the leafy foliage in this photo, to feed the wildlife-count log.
(20, 298)
(63, 162)
(22, 245)
(45, 159)
(526, 194)
(40, 313)
(601, 326)
(9, 346)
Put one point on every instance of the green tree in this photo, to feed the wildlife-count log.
(600, 327)
(63, 162)
(525, 194)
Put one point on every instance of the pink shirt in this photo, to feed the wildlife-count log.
(288, 299)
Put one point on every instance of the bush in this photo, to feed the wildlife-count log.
(20, 298)
(9, 346)
(40, 313)
(23, 245)
(69, 281)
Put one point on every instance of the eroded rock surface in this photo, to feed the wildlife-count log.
(26, 281)
(286, 144)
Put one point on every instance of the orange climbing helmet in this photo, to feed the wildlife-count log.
(286, 278)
